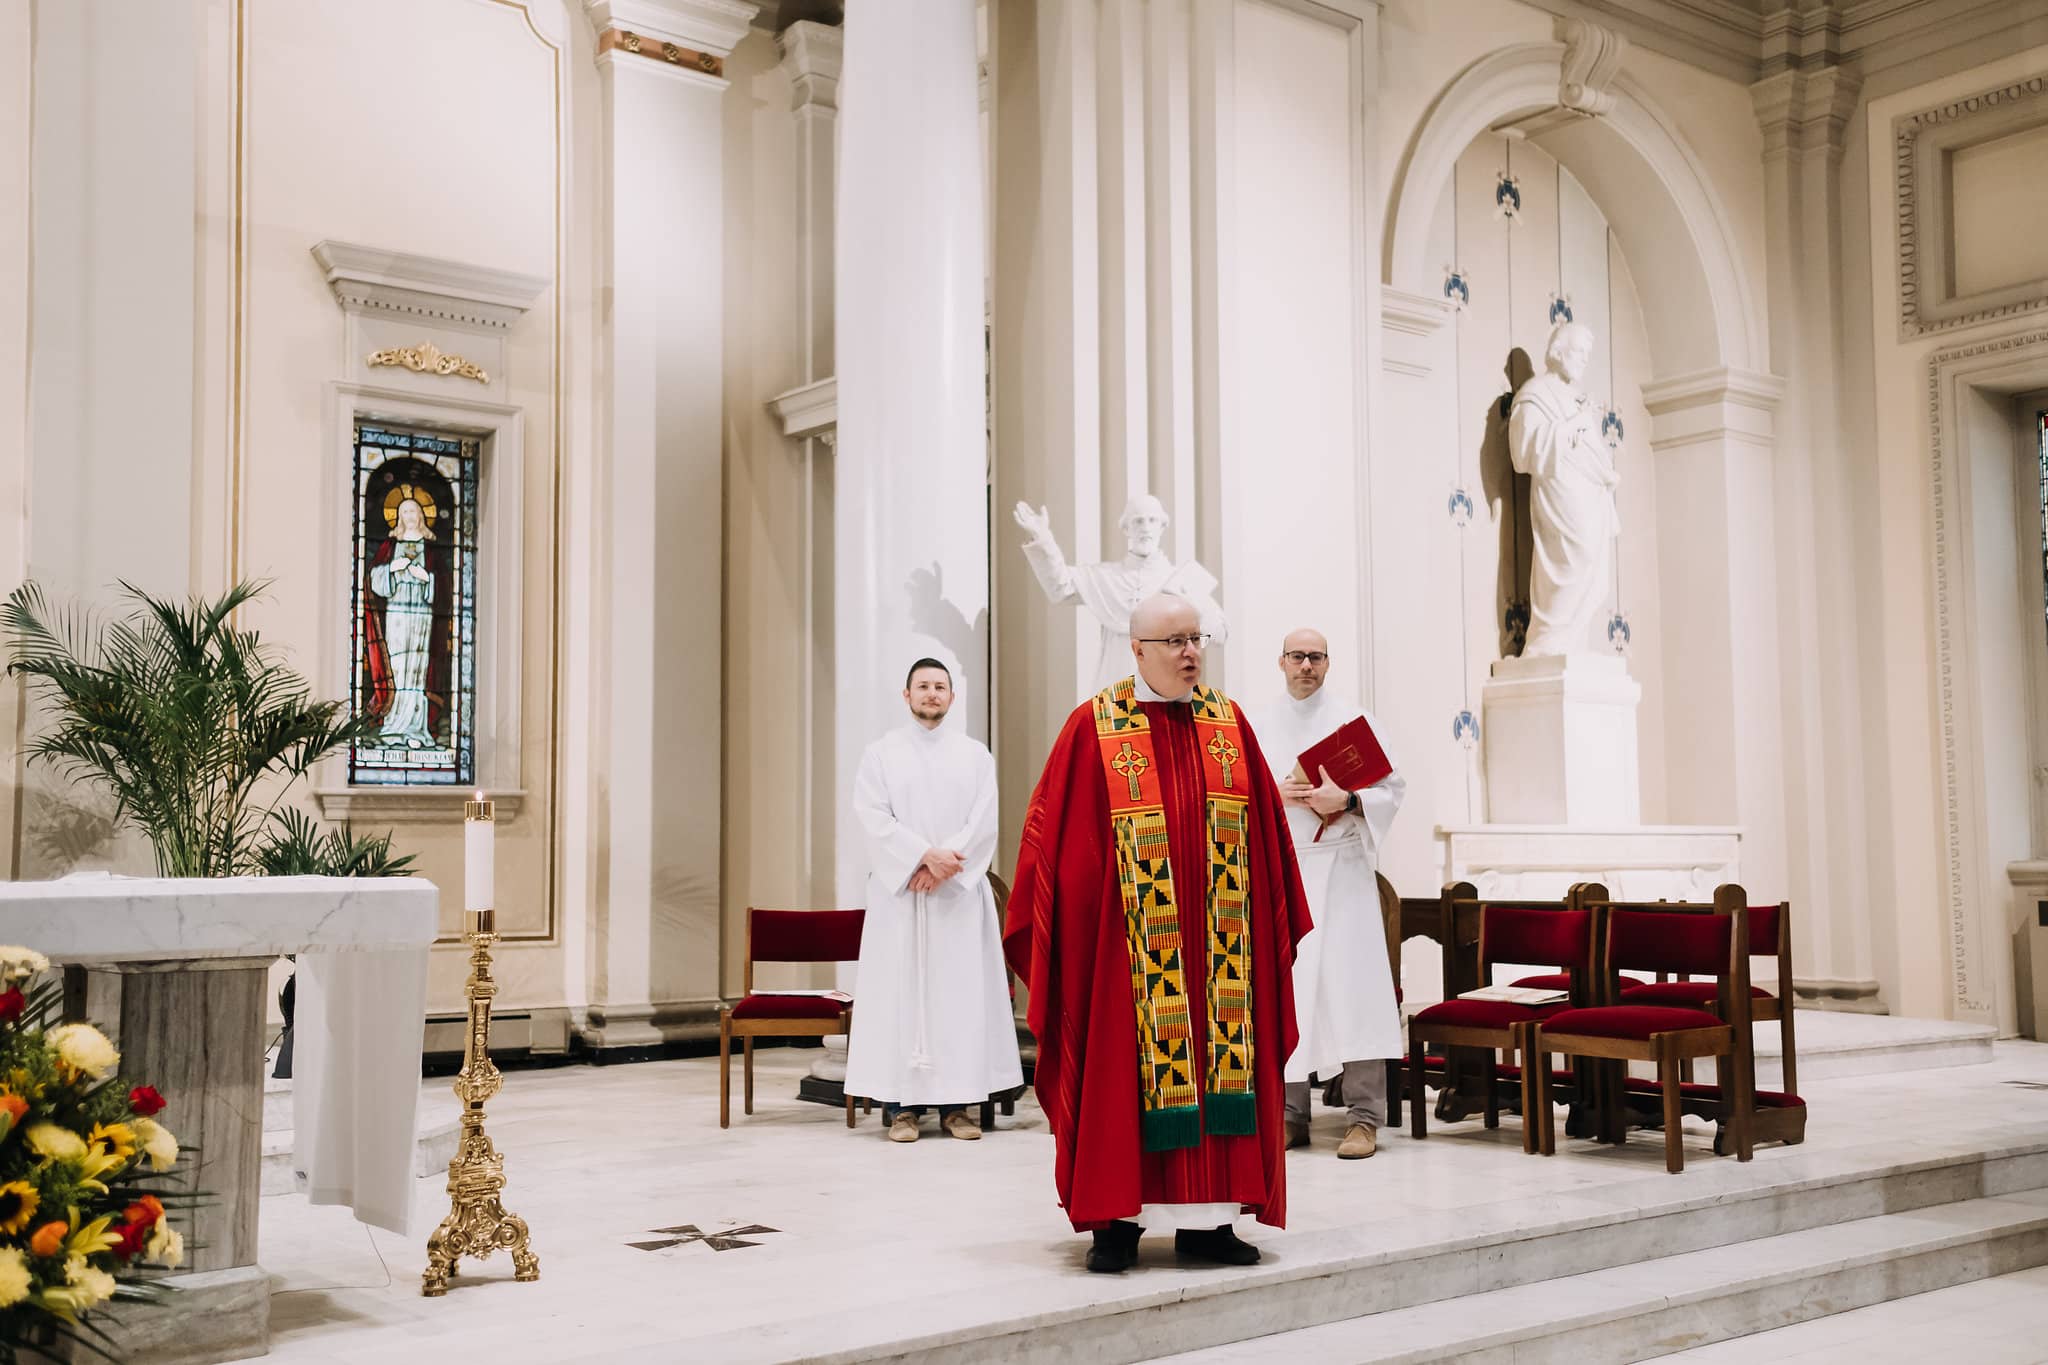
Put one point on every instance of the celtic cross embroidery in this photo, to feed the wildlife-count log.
(1131, 765)
(1225, 754)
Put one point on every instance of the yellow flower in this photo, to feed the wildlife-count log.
(84, 1049)
(19, 964)
(158, 1142)
(166, 1245)
(14, 1279)
(58, 1144)
(91, 1239)
(116, 1139)
(18, 1200)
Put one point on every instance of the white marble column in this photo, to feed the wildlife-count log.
(812, 57)
(910, 491)
(1719, 576)
(655, 955)
(1803, 114)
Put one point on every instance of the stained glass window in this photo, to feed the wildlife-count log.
(413, 620)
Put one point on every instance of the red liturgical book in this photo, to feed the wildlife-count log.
(1352, 755)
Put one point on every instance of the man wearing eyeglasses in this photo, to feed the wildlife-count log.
(1154, 917)
(1343, 986)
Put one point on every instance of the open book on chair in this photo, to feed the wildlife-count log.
(1517, 995)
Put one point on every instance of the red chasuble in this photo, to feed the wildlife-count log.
(1066, 938)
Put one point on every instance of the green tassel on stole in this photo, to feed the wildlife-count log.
(1230, 1114)
(1163, 1130)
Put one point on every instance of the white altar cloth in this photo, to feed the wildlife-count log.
(361, 1000)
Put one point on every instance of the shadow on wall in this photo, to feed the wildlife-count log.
(931, 613)
(1507, 497)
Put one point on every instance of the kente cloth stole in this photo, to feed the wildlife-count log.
(1177, 1105)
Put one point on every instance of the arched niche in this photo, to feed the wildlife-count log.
(1699, 309)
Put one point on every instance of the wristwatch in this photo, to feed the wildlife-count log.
(1352, 805)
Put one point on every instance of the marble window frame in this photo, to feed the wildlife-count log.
(1923, 142)
(500, 430)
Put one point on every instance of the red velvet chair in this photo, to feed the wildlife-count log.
(1680, 940)
(1563, 937)
(786, 936)
(1780, 1114)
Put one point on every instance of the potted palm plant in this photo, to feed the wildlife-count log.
(197, 729)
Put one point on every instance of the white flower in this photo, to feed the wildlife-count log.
(19, 964)
(158, 1142)
(84, 1048)
(166, 1245)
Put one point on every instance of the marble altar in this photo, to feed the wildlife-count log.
(174, 971)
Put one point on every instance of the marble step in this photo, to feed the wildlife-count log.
(1343, 1275)
(1673, 1303)
(434, 1144)
(1834, 1043)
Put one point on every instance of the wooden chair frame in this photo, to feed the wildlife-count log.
(1724, 1041)
(1511, 1039)
(1773, 1122)
(747, 1030)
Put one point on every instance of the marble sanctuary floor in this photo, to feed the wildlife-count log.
(788, 1237)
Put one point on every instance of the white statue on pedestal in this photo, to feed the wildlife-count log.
(1111, 591)
(1554, 437)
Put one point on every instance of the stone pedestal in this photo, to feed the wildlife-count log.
(1640, 862)
(1560, 739)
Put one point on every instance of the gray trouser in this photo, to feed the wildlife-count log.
(1365, 1095)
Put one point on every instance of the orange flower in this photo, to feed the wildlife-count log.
(145, 1211)
(49, 1238)
(13, 1104)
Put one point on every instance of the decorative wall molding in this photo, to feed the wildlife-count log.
(1971, 961)
(376, 280)
(1806, 110)
(812, 56)
(427, 358)
(809, 410)
(1592, 59)
(634, 45)
(1922, 142)
(710, 27)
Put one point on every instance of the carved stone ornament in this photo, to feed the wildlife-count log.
(427, 358)
(1592, 59)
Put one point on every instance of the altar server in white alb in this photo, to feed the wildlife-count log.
(1344, 1001)
(933, 1025)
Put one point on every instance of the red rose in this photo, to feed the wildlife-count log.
(12, 1003)
(143, 1099)
(130, 1238)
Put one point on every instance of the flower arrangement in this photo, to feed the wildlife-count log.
(82, 1159)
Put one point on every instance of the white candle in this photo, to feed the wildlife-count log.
(477, 834)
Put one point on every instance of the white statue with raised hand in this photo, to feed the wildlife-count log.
(1111, 591)
(1554, 437)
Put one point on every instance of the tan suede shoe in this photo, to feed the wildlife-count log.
(959, 1125)
(903, 1128)
(1359, 1141)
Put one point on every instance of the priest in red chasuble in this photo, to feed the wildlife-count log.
(1154, 918)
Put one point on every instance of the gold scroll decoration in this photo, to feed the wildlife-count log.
(427, 358)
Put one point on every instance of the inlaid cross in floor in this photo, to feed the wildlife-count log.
(728, 1240)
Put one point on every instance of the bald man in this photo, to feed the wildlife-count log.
(1155, 915)
(1343, 984)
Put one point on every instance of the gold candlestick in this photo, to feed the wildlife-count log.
(477, 1223)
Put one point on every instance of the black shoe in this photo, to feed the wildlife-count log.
(1115, 1249)
(1215, 1244)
